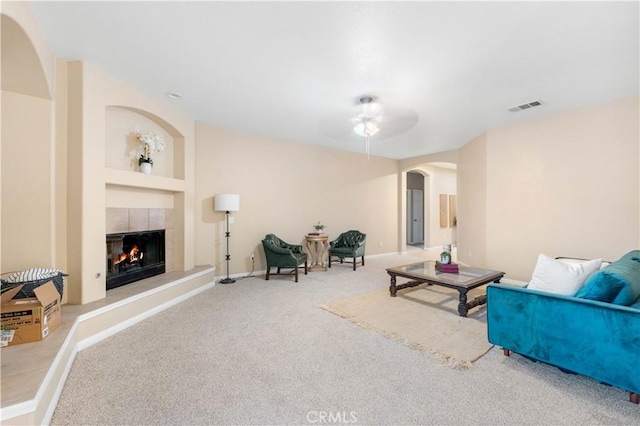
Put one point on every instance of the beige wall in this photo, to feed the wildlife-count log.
(472, 202)
(27, 183)
(438, 157)
(60, 165)
(563, 185)
(442, 181)
(27, 169)
(285, 188)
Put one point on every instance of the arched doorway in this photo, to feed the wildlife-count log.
(437, 181)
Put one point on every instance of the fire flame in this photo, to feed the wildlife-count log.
(133, 256)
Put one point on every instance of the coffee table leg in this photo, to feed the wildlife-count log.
(392, 287)
(462, 305)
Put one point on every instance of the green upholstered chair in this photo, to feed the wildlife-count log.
(349, 244)
(280, 254)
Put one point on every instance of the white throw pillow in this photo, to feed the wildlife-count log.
(555, 276)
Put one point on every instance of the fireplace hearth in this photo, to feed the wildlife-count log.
(133, 256)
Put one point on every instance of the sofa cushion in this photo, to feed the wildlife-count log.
(631, 291)
(618, 283)
(559, 277)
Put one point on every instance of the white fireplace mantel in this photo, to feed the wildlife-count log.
(141, 180)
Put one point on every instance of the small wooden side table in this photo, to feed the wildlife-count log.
(317, 247)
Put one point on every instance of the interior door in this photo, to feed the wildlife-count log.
(415, 216)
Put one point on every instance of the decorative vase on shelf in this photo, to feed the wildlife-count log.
(145, 167)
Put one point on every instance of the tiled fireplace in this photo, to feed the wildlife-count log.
(139, 244)
(133, 256)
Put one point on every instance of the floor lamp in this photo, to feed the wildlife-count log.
(227, 203)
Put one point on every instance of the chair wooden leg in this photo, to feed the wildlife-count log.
(634, 397)
(278, 270)
(329, 261)
(506, 352)
(305, 267)
(354, 262)
(296, 268)
(268, 269)
(363, 260)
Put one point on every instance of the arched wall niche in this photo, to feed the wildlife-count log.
(22, 68)
(168, 127)
(122, 146)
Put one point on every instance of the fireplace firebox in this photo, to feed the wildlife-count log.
(133, 256)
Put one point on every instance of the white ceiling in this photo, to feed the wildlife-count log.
(294, 70)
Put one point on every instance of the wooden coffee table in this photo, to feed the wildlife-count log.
(425, 272)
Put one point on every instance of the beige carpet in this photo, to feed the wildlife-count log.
(424, 318)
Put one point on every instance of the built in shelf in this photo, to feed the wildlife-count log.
(141, 180)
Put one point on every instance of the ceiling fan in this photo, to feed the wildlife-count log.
(369, 120)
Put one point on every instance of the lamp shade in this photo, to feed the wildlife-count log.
(226, 202)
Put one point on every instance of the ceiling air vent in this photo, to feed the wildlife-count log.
(526, 106)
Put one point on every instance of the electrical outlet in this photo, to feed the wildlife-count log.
(253, 257)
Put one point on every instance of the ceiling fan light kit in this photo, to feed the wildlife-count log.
(366, 128)
(366, 119)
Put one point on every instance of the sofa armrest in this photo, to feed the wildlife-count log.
(596, 339)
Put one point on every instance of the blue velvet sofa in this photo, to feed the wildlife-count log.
(580, 334)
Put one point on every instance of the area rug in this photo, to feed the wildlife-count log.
(424, 318)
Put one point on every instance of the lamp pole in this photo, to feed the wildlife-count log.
(227, 280)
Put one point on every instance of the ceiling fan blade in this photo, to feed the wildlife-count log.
(396, 121)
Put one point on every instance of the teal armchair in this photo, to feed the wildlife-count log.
(280, 254)
(349, 244)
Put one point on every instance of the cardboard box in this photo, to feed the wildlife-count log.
(30, 319)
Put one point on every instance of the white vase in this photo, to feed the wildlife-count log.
(145, 168)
